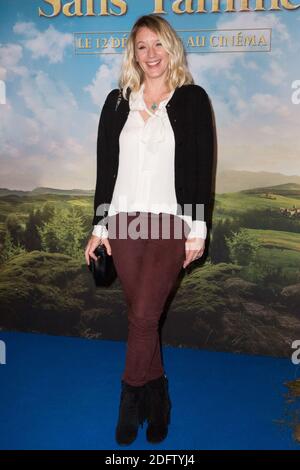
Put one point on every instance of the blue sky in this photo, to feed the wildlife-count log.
(49, 123)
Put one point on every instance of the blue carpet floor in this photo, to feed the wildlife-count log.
(63, 393)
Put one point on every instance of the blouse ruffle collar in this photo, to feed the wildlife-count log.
(154, 128)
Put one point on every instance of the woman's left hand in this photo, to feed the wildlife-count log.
(194, 248)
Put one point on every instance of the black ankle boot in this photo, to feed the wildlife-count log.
(131, 413)
(158, 405)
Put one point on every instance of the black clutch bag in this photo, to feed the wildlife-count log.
(103, 270)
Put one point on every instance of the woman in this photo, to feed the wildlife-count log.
(154, 159)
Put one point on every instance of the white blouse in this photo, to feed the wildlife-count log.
(146, 178)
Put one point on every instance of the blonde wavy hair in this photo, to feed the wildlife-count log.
(132, 75)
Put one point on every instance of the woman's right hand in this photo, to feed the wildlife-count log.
(92, 244)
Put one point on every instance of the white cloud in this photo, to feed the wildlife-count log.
(106, 78)
(214, 63)
(56, 140)
(54, 144)
(49, 101)
(275, 74)
(51, 142)
(27, 28)
(10, 58)
(256, 129)
(255, 20)
(250, 64)
(268, 104)
(50, 44)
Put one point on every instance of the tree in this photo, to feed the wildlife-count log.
(32, 239)
(64, 232)
(219, 250)
(47, 211)
(9, 249)
(242, 246)
(14, 228)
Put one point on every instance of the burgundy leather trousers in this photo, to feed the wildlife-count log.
(147, 263)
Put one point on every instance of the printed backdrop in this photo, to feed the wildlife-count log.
(58, 61)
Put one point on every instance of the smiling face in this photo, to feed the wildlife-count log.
(150, 53)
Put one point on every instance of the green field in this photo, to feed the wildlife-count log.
(242, 201)
(221, 305)
(278, 239)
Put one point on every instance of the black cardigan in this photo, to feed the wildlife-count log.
(190, 116)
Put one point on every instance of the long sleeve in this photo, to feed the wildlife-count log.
(148, 151)
(205, 142)
(101, 204)
(198, 229)
(100, 231)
